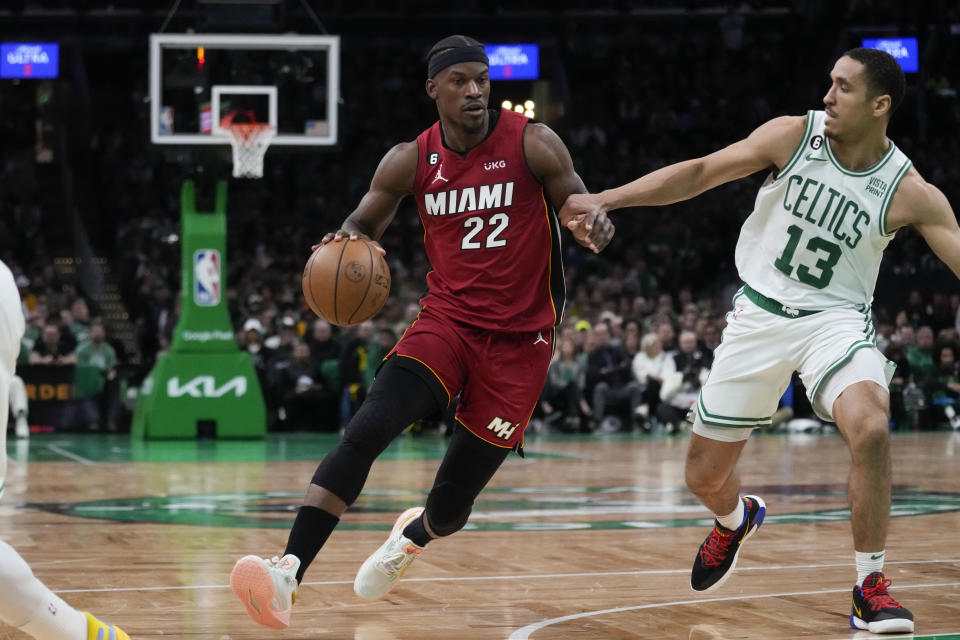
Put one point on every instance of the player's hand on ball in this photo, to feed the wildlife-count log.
(343, 234)
(346, 283)
(588, 222)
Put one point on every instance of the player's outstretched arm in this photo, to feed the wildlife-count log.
(922, 205)
(550, 162)
(770, 145)
(392, 180)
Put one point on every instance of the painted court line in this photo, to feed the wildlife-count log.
(528, 576)
(524, 632)
(68, 454)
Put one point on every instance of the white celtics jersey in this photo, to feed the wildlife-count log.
(818, 231)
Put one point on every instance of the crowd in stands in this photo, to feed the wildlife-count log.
(636, 366)
(642, 318)
(60, 333)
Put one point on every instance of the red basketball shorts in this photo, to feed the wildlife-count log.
(498, 375)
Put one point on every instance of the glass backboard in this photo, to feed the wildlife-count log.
(198, 81)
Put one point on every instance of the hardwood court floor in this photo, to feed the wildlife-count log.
(588, 537)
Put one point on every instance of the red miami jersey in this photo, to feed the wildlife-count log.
(491, 238)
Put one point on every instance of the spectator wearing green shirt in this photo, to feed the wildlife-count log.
(920, 357)
(96, 353)
(24, 357)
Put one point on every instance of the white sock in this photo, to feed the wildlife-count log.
(27, 604)
(733, 520)
(57, 620)
(868, 563)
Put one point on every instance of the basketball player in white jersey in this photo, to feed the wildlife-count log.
(808, 255)
(25, 603)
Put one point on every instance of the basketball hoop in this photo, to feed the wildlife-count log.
(249, 141)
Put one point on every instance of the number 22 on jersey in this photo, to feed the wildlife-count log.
(475, 239)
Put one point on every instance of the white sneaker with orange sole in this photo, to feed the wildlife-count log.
(381, 570)
(267, 588)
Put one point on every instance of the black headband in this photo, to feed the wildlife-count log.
(449, 57)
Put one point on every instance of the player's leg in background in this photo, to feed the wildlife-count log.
(11, 331)
(4, 417)
(19, 407)
(467, 467)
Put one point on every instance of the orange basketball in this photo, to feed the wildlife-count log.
(346, 282)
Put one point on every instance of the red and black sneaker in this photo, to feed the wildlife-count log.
(718, 554)
(875, 611)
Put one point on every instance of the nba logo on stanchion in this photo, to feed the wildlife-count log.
(206, 277)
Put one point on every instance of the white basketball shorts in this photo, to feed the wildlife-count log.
(761, 348)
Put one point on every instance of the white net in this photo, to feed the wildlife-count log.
(249, 142)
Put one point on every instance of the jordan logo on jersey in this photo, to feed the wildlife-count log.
(438, 176)
(540, 338)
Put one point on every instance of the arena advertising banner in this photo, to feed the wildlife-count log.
(905, 50)
(513, 61)
(53, 392)
(204, 377)
(204, 325)
(186, 388)
(29, 59)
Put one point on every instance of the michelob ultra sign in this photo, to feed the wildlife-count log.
(29, 59)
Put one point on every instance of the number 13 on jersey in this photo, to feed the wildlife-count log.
(827, 254)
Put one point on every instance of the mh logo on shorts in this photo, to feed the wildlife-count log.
(206, 277)
(503, 428)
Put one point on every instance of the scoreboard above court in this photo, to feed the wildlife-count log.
(513, 61)
(905, 50)
(29, 60)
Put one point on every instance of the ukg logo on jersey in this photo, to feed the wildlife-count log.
(206, 277)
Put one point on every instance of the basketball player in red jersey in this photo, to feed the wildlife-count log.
(486, 182)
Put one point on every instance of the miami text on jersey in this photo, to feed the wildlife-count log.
(490, 196)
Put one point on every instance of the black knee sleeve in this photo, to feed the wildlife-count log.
(448, 508)
(466, 469)
(399, 397)
(344, 470)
